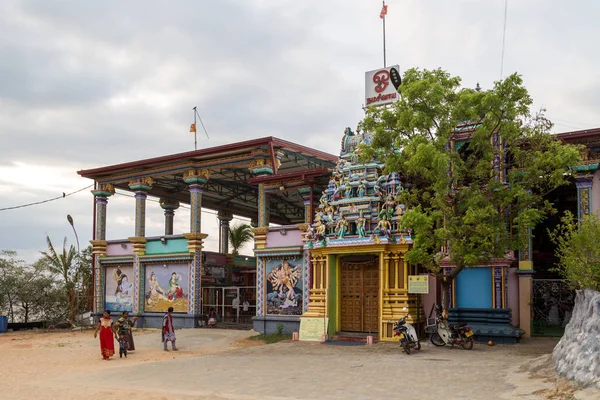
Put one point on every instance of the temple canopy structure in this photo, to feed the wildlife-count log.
(267, 180)
(228, 171)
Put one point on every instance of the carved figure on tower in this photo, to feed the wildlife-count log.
(360, 225)
(341, 227)
(384, 227)
(361, 190)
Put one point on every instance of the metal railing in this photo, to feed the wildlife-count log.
(552, 302)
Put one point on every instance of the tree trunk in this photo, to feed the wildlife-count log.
(445, 283)
(72, 304)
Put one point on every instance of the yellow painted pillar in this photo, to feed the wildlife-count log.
(525, 272)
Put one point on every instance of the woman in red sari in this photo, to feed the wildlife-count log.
(107, 342)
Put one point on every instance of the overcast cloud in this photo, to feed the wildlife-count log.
(86, 84)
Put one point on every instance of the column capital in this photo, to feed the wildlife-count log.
(195, 241)
(224, 216)
(99, 247)
(105, 190)
(139, 244)
(194, 175)
(143, 184)
(168, 204)
(584, 182)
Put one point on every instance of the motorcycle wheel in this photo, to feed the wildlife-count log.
(436, 340)
(406, 346)
(418, 345)
(467, 344)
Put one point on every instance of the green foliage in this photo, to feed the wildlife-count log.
(28, 293)
(271, 338)
(578, 250)
(65, 265)
(239, 235)
(480, 200)
(279, 328)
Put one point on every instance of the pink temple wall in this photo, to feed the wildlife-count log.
(512, 295)
(429, 298)
(116, 249)
(292, 237)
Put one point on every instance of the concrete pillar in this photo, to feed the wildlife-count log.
(224, 220)
(140, 186)
(525, 273)
(169, 205)
(101, 194)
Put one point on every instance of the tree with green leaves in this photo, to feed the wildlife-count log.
(578, 251)
(475, 167)
(239, 235)
(10, 268)
(64, 266)
(27, 292)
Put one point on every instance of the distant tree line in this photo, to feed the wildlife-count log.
(54, 289)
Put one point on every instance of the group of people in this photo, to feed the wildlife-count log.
(122, 332)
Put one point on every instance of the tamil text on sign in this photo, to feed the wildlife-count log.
(418, 284)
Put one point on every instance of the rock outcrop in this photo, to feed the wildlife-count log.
(577, 354)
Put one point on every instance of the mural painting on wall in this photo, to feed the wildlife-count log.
(284, 287)
(166, 286)
(119, 288)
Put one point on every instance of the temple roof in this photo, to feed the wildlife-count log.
(232, 187)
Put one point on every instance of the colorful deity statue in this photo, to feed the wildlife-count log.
(323, 201)
(388, 208)
(361, 189)
(384, 227)
(341, 227)
(320, 230)
(348, 191)
(360, 225)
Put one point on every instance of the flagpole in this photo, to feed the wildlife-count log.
(195, 137)
(384, 62)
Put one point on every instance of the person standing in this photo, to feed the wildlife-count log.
(107, 344)
(123, 327)
(168, 330)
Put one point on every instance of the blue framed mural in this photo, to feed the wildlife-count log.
(284, 286)
(167, 286)
(119, 288)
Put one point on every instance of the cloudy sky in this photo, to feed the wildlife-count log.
(86, 84)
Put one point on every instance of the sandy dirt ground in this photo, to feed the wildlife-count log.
(225, 364)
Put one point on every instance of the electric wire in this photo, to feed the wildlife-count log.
(46, 201)
(503, 39)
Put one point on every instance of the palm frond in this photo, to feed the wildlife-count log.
(239, 235)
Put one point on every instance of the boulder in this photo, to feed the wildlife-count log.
(576, 356)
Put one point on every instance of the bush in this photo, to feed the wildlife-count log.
(578, 250)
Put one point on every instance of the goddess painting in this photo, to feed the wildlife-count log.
(284, 289)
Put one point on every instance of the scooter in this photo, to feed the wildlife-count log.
(443, 333)
(407, 334)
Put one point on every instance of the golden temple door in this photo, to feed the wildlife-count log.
(359, 292)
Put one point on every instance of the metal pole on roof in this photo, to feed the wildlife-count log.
(195, 136)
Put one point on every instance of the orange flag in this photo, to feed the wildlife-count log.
(193, 128)
(383, 12)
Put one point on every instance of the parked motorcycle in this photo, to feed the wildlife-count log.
(443, 333)
(407, 334)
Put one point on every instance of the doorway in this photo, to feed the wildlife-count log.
(359, 293)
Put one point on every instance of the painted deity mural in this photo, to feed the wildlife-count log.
(284, 287)
(119, 288)
(166, 286)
